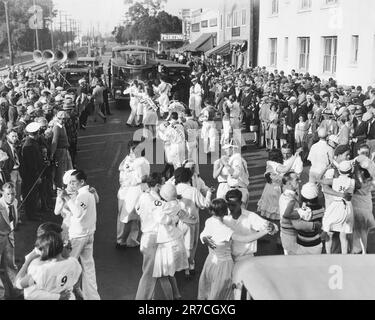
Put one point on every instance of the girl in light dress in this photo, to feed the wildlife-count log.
(150, 116)
(171, 255)
(133, 172)
(215, 282)
(339, 215)
(221, 173)
(48, 270)
(268, 205)
(164, 91)
(133, 90)
(301, 131)
(227, 128)
(273, 120)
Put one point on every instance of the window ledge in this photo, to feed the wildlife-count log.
(304, 10)
(276, 15)
(329, 6)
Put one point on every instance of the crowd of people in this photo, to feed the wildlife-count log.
(318, 181)
(317, 197)
(39, 121)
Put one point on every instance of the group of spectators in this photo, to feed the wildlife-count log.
(40, 117)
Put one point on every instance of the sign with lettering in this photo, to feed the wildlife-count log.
(172, 37)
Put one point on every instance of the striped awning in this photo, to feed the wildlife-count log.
(223, 49)
(202, 44)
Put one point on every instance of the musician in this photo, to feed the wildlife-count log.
(150, 116)
(174, 139)
(164, 90)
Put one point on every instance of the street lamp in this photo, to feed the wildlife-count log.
(8, 31)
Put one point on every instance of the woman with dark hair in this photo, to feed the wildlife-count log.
(268, 205)
(51, 273)
(215, 282)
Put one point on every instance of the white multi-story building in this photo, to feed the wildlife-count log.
(327, 38)
(204, 21)
(238, 27)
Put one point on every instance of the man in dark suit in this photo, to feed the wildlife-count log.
(11, 166)
(32, 166)
(245, 103)
(8, 221)
(292, 119)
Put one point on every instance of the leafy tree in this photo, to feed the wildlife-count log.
(145, 22)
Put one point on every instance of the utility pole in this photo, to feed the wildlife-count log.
(71, 34)
(52, 42)
(8, 31)
(66, 33)
(36, 30)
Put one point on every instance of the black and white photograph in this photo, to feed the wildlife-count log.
(207, 151)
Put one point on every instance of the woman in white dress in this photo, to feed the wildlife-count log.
(150, 116)
(164, 91)
(215, 282)
(339, 215)
(222, 172)
(134, 101)
(170, 255)
(51, 273)
(134, 171)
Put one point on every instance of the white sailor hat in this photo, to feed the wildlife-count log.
(66, 177)
(33, 127)
(310, 191)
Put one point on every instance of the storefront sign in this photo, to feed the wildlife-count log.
(172, 37)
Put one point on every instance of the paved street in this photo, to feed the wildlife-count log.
(101, 149)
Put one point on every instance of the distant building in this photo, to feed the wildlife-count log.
(184, 14)
(203, 27)
(327, 38)
(238, 25)
(204, 21)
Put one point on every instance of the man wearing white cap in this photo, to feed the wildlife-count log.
(320, 156)
(32, 168)
(175, 142)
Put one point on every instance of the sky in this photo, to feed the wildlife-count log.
(106, 14)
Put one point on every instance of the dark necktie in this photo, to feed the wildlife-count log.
(369, 128)
(11, 213)
(3, 177)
